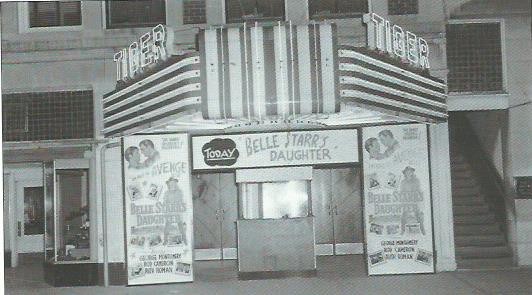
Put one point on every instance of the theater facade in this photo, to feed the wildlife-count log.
(271, 144)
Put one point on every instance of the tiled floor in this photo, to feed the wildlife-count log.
(336, 275)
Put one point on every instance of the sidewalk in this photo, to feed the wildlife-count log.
(336, 275)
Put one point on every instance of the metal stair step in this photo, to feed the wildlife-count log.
(480, 240)
(464, 182)
(476, 229)
(475, 219)
(465, 191)
(468, 200)
(484, 263)
(470, 209)
(460, 166)
(483, 252)
(461, 174)
(458, 158)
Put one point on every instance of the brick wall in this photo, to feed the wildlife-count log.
(194, 12)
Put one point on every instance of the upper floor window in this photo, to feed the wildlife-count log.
(54, 13)
(135, 13)
(337, 8)
(194, 12)
(254, 10)
(47, 115)
(402, 7)
(474, 57)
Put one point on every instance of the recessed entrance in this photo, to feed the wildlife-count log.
(337, 207)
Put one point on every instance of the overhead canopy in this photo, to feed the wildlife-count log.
(375, 81)
(252, 74)
(167, 91)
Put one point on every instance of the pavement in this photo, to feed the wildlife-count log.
(336, 275)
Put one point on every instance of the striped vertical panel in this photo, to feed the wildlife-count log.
(269, 71)
(168, 90)
(374, 81)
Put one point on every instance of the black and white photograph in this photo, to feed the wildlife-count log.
(266, 147)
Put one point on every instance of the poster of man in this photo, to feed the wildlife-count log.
(158, 205)
(397, 211)
(385, 137)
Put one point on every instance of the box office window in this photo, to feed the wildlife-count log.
(135, 13)
(47, 115)
(402, 7)
(274, 200)
(337, 8)
(54, 13)
(474, 57)
(194, 12)
(251, 10)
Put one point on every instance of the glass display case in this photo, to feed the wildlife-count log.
(67, 215)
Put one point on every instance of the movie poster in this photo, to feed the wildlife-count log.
(158, 208)
(397, 200)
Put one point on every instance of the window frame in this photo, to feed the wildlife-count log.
(258, 20)
(337, 15)
(24, 21)
(502, 27)
(105, 14)
(403, 14)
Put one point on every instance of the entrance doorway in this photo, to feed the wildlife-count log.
(337, 207)
(215, 214)
(30, 216)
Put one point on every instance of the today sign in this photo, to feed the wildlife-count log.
(391, 38)
(149, 49)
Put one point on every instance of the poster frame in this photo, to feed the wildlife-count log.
(126, 260)
(429, 161)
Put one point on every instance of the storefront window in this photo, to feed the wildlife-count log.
(72, 238)
(274, 200)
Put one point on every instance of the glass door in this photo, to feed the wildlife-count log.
(30, 216)
(347, 211)
(322, 210)
(215, 214)
(337, 207)
(72, 237)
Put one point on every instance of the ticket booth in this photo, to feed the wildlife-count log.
(275, 225)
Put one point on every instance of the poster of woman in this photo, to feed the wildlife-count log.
(397, 202)
(158, 209)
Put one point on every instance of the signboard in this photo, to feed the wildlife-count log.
(397, 200)
(387, 37)
(292, 148)
(149, 49)
(158, 209)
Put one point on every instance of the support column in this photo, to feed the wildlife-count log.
(440, 165)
